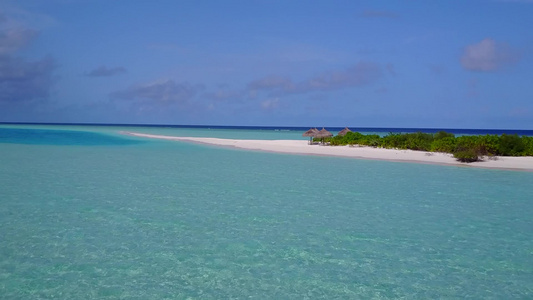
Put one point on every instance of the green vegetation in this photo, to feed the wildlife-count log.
(468, 148)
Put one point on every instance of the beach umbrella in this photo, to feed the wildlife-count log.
(344, 131)
(323, 134)
(311, 133)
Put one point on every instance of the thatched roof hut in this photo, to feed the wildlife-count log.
(344, 131)
(323, 134)
(311, 133)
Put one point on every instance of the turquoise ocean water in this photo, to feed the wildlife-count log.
(88, 213)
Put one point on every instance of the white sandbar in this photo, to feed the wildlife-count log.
(524, 163)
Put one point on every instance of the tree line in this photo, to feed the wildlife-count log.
(466, 148)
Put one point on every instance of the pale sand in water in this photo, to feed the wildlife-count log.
(302, 147)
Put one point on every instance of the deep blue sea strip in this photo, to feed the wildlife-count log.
(468, 131)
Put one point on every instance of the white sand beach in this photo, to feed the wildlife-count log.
(302, 147)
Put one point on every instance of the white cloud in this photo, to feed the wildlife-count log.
(104, 71)
(270, 104)
(488, 55)
(272, 83)
(12, 40)
(361, 74)
(164, 92)
(225, 95)
(22, 79)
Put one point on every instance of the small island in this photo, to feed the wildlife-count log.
(465, 148)
(370, 149)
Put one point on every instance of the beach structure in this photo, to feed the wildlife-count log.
(311, 133)
(344, 131)
(322, 134)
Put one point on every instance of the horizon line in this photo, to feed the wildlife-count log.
(253, 126)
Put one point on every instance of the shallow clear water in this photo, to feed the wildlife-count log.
(161, 219)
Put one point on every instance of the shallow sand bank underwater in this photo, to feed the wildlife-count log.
(302, 147)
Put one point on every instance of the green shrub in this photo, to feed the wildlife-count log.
(470, 142)
(511, 145)
(419, 141)
(352, 138)
(372, 140)
(528, 144)
(466, 156)
(336, 141)
(443, 135)
(394, 140)
(488, 144)
(446, 144)
(466, 148)
(414, 141)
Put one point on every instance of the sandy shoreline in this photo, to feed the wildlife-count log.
(302, 147)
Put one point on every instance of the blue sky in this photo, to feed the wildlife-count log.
(439, 64)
